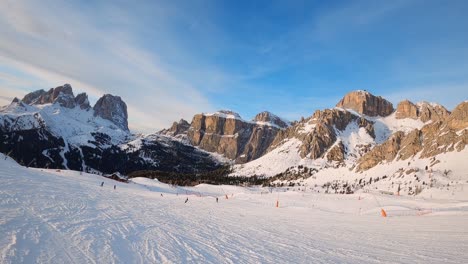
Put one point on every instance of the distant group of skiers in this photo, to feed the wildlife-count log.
(186, 200)
(102, 184)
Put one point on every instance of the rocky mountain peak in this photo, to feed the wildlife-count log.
(82, 101)
(112, 108)
(458, 119)
(62, 95)
(432, 111)
(406, 109)
(177, 128)
(424, 111)
(226, 114)
(268, 117)
(366, 103)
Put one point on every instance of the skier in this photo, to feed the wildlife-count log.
(186, 200)
(102, 184)
(216, 199)
(162, 195)
(114, 186)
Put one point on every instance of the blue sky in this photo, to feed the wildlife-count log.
(172, 59)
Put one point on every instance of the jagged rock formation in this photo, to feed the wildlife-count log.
(406, 109)
(319, 132)
(336, 153)
(65, 133)
(61, 94)
(82, 101)
(423, 111)
(268, 117)
(112, 108)
(458, 119)
(365, 103)
(108, 107)
(225, 132)
(444, 134)
(384, 152)
(177, 128)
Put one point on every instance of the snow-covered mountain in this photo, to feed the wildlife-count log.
(415, 145)
(55, 129)
(361, 139)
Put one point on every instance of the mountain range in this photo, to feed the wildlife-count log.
(56, 129)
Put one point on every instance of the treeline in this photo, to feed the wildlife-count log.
(215, 177)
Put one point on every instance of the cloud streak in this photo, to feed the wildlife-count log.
(72, 49)
(171, 59)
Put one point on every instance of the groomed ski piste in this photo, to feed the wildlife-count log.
(52, 216)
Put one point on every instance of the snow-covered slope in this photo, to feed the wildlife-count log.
(49, 216)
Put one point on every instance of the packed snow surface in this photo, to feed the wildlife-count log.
(49, 216)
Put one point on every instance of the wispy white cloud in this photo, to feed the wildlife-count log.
(56, 44)
(169, 60)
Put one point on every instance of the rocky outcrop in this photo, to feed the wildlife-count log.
(458, 119)
(108, 106)
(336, 153)
(112, 108)
(365, 103)
(406, 109)
(319, 132)
(82, 101)
(384, 152)
(61, 94)
(177, 128)
(439, 136)
(434, 112)
(269, 118)
(423, 111)
(226, 133)
(220, 133)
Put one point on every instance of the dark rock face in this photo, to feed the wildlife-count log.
(35, 147)
(82, 101)
(33, 97)
(170, 156)
(366, 103)
(61, 94)
(112, 108)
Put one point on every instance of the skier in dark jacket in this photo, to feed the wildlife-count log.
(115, 186)
(216, 199)
(102, 184)
(186, 200)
